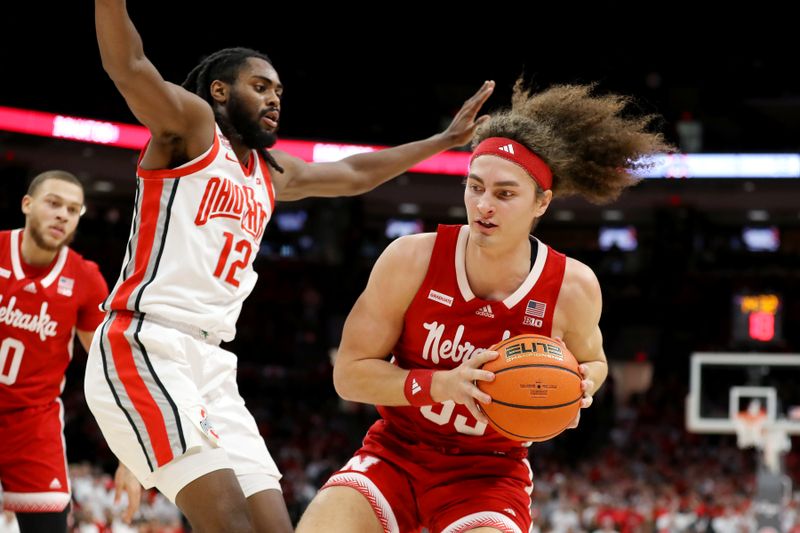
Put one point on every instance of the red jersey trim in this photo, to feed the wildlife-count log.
(268, 184)
(16, 261)
(137, 390)
(36, 502)
(250, 167)
(191, 167)
(151, 204)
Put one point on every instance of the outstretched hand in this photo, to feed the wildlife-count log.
(458, 384)
(587, 386)
(466, 121)
(125, 481)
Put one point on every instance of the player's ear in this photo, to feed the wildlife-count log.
(220, 91)
(27, 200)
(542, 203)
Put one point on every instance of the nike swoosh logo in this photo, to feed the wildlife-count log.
(228, 157)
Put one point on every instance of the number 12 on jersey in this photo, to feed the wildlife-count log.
(244, 251)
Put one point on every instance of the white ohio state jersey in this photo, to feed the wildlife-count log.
(195, 234)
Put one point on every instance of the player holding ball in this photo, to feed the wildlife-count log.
(435, 302)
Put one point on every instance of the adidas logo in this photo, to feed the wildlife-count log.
(55, 484)
(509, 148)
(510, 511)
(415, 388)
(486, 311)
(30, 287)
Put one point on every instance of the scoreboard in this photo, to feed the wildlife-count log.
(757, 318)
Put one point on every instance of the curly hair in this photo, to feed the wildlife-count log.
(591, 147)
(224, 65)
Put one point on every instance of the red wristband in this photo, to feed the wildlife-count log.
(418, 387)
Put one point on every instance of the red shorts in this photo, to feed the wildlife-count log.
(411, 486)
(33, 464)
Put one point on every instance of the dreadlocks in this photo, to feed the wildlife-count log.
(224, 65)
(589, 146)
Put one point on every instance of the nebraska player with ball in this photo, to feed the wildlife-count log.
(48, 294)
(436, 301)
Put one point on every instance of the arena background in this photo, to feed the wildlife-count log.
(389, 74)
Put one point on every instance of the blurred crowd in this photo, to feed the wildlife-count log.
(630, 467)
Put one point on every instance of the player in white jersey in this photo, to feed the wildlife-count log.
(163, 392)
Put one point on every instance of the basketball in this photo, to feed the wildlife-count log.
(537, 388)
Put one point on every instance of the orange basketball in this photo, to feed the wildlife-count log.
(536, 392)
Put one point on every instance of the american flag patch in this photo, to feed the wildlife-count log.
(65, 286)
(535, 308)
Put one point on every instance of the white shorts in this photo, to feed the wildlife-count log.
(168, 405)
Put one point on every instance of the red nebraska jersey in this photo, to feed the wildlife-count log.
(447, 323)
(40, 309)
(196, 231)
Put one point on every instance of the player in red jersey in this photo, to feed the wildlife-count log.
(48, 294)
(162, 390)
(436, 301)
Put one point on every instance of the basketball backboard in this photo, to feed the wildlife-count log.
(722, 385)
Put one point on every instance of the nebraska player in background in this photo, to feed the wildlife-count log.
(162, 390)
(48, 294)
(436, 301)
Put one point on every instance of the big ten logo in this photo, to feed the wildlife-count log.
(530, 321)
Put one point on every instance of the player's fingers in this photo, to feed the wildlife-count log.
(575, 421)
(480, 375)
(476, 412)
(127, 516)
(134, 496)
(485, 92)
(117, 486)
(482, 358)
(583, 369)
(586, 402)
(474, 102)
(587, 384)
(479, 395)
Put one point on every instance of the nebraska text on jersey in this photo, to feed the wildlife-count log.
(223, 198)
(436, 349)
(40, 324)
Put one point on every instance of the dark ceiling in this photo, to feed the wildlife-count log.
(386, 74)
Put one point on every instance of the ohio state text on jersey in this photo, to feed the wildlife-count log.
(446, 323)
(195, 234)
(40, 308)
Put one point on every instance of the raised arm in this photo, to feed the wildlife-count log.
(361, 372)
(363, 172)
(182, 123)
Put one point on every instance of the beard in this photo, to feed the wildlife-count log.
(249, 130)
(37, 234)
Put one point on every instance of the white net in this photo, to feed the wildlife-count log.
(754, 430)
(750, 426)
